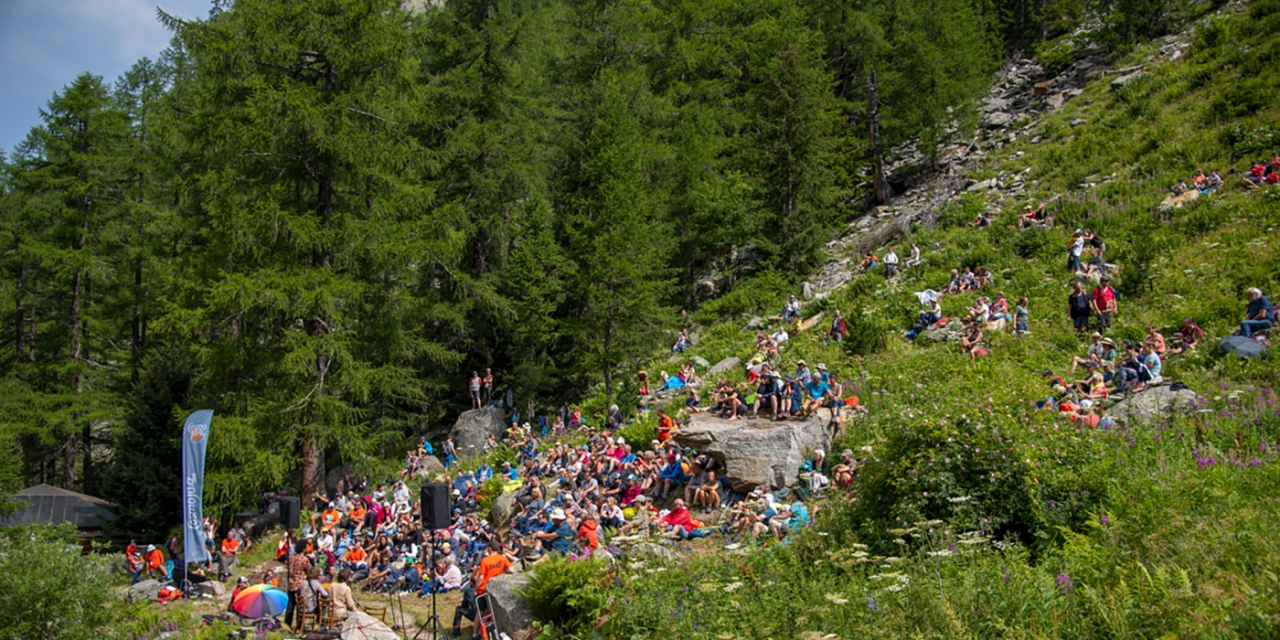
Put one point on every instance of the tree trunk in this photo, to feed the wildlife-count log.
(312, 468)
(19, 313)
(877, 160)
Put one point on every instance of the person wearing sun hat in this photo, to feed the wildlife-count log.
(559, 534)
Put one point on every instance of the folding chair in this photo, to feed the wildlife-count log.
(484, 618)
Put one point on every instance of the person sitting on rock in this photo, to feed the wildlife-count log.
(818, 392)
(981, 277)
(1187, 338)
(982, 222)
(869, 262)
(1155, 338)
(1179, 188)
(972, 343)
(967, 280)
(1200, 182)
(1258, 315)
(682, 342)
(791, 311)
(842, 473)
(1255, 176)
(1000, 308)
(1149, 367)
(1094, 354)
(767, 394)
(980, 312)
(913, 260)
(927, 319)
(953, 285)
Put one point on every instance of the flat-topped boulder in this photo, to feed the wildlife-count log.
(759, 451)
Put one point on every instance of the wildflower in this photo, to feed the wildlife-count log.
(732, 586)
(1105, 520)
(871, 604)
(1065, 584)
(835, 598)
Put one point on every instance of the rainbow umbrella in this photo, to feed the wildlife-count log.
(261, 601)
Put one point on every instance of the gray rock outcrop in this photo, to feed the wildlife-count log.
(1153, 402)
(430, 466)
(757, 451)
(727, 364)
(651, 550)
(362, 626)
(503, 509)
(510, 611)
(1242, 346)
(144, 590)
(473, 428)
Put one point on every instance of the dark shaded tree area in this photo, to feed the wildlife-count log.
(317, 218)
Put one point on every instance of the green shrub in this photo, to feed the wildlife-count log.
(489, 492)
(868, 333)
(639, 433)
(50, 590)
(565, 593)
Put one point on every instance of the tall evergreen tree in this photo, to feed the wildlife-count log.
(326, 261)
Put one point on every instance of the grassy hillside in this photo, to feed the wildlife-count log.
(981, 517)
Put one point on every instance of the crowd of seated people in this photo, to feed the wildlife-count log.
(1263, 172)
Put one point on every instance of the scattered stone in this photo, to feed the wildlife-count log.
(146, 590)
(756, 452)
(1177, 202)
(806, 290)
(701, 361)
(755, 322)
(651, 550)
(1078, 121)
(1154, 402)
(1124, 80)
(811, 322)
(997, 120)
(984, 185)
(1056, 101)
(732, 362)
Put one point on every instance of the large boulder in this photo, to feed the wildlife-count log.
(146, 590)
(362, 626)
(757, 451)
(473, 428)
(335, 474)
(1153, 402)
(510, 611)
(728, 364)
(430, 466)
(503, 509)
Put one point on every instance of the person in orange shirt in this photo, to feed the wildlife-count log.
(329, 519)
(155, 562)
(230, 549)
(358, 513)
(492, 566)
(666, 425)
(357, 558)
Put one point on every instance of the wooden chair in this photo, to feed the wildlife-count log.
(310, 621)
(329, 618)
(377, 611)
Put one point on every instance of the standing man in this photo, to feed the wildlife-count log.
(1073, 253)
(488, 386)
(890, 263)
(474, 387)
(1104, 303)
(155, 563)
(450, 453)
(227, 560)
(299, 565)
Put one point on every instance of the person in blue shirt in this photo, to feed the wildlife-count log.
(484, 472)
(559, 535)
(817, 391)
(1149, 371)
(508, 473)
(1257, 316)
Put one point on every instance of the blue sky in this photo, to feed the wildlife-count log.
(44, 44)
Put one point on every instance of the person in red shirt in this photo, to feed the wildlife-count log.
(589, 532)
(1104, 303)
(133, 557)
(679, 521)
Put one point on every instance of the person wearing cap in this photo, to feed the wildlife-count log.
(791, 311)
(1095, 355)
(767, 394)
(1103, 303)
(802, 371)
(155, 562)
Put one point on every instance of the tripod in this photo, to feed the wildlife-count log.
(433, 620)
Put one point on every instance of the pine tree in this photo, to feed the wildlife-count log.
(327, 264)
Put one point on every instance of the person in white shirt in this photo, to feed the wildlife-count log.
(780, 336)
(890, 263)
(914, 260)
